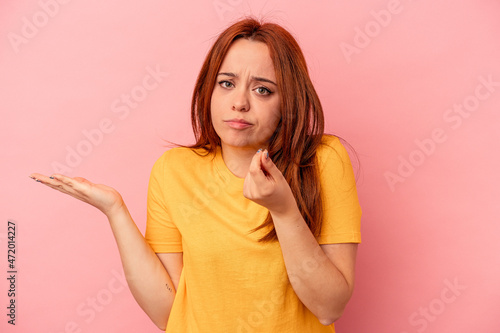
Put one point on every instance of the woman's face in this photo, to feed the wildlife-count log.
(245, 106)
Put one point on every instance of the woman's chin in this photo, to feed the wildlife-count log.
(241, 144)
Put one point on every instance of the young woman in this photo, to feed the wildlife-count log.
(254, 228)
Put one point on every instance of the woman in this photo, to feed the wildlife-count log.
(255, 227)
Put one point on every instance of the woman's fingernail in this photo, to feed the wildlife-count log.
(51, 177)
(258, 151)
(267, 155)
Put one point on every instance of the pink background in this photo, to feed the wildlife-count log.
(392, 76)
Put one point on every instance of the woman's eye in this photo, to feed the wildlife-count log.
(263, 91)
(225, 84)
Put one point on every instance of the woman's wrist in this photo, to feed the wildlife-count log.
(288, 212)
(116, 210)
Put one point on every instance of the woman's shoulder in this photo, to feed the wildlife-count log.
(185, 152)
(330, 140)
(179, 156)
(332, 150)
(330, 144)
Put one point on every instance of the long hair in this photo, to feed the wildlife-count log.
(293, 145)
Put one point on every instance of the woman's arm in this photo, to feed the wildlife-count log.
(322, 276)
(146, 275)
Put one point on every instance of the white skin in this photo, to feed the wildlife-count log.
(245, 90)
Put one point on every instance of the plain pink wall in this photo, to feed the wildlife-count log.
(405, 82)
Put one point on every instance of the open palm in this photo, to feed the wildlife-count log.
(103, 197)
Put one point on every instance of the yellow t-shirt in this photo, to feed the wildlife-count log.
(230, 282)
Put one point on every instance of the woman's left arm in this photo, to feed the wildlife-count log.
(322, 276)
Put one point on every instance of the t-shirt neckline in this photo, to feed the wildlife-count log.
(233, 180)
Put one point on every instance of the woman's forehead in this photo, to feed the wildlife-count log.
(248, 56)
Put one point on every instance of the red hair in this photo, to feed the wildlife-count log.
(293, 145)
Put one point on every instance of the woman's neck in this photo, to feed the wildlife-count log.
(238, 159)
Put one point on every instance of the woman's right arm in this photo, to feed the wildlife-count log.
(147, 277)
(152, 281)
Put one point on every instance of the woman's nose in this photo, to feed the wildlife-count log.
(240, 102)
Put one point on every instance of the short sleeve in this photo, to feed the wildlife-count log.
(341, 208)
(161, 233)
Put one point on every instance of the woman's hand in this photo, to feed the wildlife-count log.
(265, 185)
(103, 197)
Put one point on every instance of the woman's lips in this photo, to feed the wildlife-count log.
(238, 123)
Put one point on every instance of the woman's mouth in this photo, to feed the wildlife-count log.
(238, 123)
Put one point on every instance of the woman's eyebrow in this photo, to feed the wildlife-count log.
(255, 78)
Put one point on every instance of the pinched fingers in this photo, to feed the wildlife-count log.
(266, 185)
(256, 170)
(260, 182)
